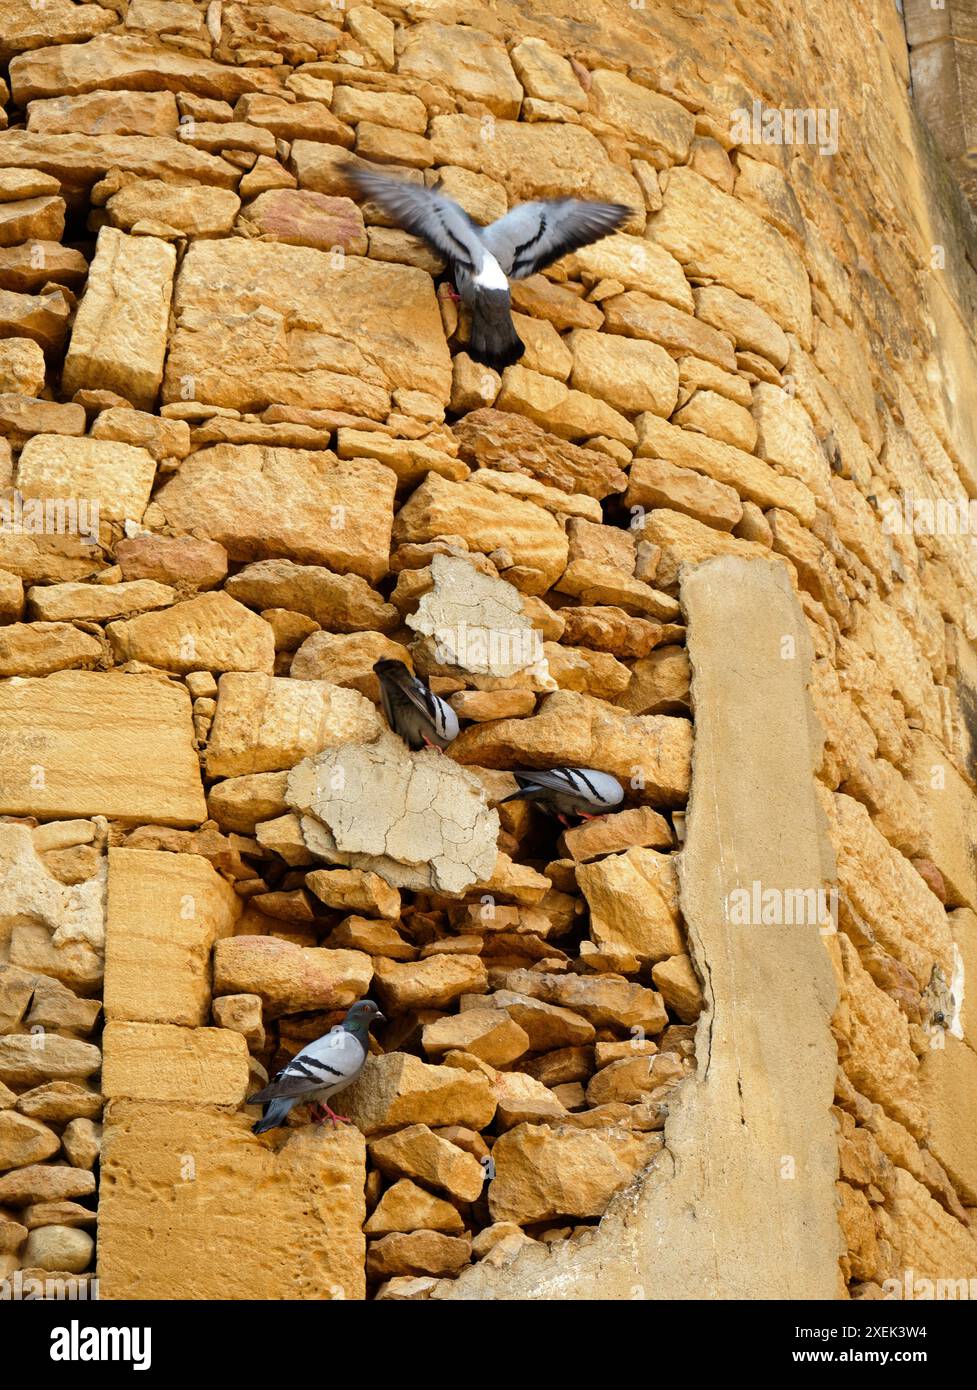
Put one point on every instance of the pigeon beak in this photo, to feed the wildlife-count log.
(378, 1017)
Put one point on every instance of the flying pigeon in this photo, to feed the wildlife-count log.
(321, 1069)
(412, 709)
(569, 791)
(484, 259)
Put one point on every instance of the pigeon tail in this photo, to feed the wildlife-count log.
(276, 1113)
(493, 340)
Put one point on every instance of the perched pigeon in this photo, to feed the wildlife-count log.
(569, 791)
(412, 708)
(320, 1070)
(484, 259)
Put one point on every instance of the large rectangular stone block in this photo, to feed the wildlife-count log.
(118, 341)
(949, 1081)
(194, 1206)
(86, 743)
(190, 1066)
(165, 911)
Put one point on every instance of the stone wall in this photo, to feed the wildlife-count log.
(244, 454)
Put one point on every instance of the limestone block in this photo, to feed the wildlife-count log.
(267, 722)
(118, 341)
(302, 1240)
(135, 762)
(165, 911)
(185, 1066)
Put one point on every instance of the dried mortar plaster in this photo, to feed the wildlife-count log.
(299, 471)
(416, 819)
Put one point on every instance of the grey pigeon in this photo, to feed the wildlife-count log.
(413, 711)
(484, 259)
(569, 791)
(321, 1069)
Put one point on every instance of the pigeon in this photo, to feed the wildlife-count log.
(569, 791)
(484, 259)
(413, 710)
(326, 1066)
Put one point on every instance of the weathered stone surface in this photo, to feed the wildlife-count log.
(725, 464)
(21, 366)
(416, 1152)
(289, 978)
(417, 1252)
(548, 1026)
(212, 632)
(633, 900)
(606, 1001)
(183, 1066)
(60, 1101)
(100, 769)
(301, 217)
(339, 602)
(60, 23)
(195, 210)
(24, 1141)
(235, 496)
(467, 60)
(661, 128)
(578, 731)
(542, 1173)
(82, 1142)
(178, 560)
(302, 1240)
(482, 1032)
(560, 409)
(949, 1090)
(354, 890)
(679, 986)
(535, 160)
(479, 623)
(115, 61)
(660, 683)
(878, 1059)
(629, 374)
(718, 237)
(165, 911)
(38, 218)
(406, 1207)
(264, 723)
(96, 602)
(428, 984)
(37, 649)
(683, 540)
(23, 1062)
(58, 1248)
(502, 440)
(45, 1183)
(88, 474)
(260, 323)
(118, 340)
(786, 437)
(488, 522)
(398, 1089)
(105, 113)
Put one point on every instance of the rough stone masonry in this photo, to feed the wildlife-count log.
(244, 455)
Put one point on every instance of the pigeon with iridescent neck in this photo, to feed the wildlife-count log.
(325, 1066)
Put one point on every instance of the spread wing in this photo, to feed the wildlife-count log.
(534, 235)
(332, 1060)
(445, 226)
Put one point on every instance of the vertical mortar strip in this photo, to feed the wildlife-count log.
(713, 1217)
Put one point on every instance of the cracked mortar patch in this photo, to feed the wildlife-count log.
(478, 623)
(417, 819)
